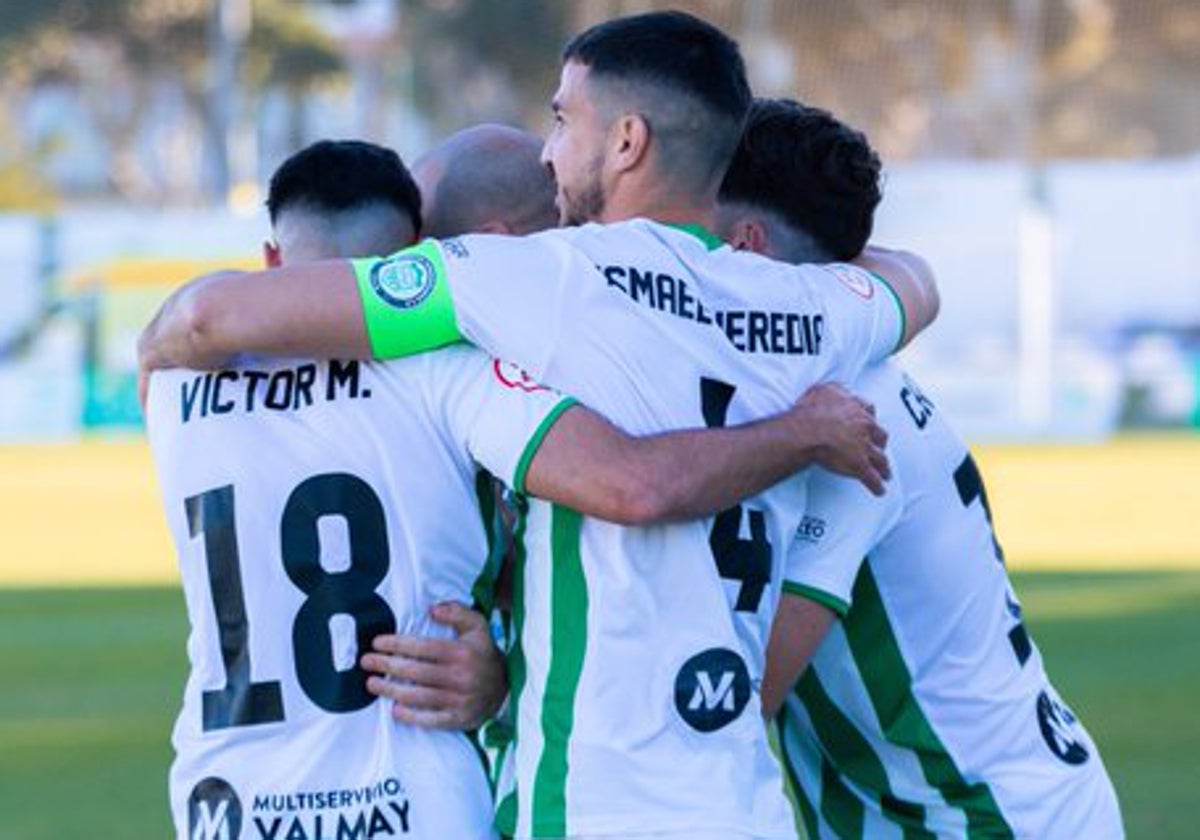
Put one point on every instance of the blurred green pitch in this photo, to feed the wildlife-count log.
(1104, 540)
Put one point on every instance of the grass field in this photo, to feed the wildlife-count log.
(1106, 542)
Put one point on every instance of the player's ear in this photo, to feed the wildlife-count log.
(271, 255)
(630, 142)
(749, 234)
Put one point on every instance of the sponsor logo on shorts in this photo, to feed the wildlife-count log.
(214, 811)
(1060, 729)
(711, 689)
(404, 281)
(513, 376)
(854, 279)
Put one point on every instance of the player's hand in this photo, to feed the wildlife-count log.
(842, 427)
(441, 683)
(175, 337)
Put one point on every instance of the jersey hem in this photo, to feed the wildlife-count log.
(825, 599)
(535, 442)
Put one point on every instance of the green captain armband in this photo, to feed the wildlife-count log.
(406, 302)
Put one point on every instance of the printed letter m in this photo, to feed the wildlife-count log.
(211, 825)
(711, 697)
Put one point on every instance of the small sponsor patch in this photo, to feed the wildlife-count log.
(854, 279)
(404, 281)
(214, 811)
(513, 376)
(1060, 730)
(454, 247)
(712, 689)
(811, 530)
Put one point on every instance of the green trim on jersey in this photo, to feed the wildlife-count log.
(851, 755)
(822, 597)
(535, 442)
(888, 682)
(807, 813)
(506, 809)
(483, 592)
(568, 646)
(900, 306)
(406, 302)
(842, 810)
(711, 241)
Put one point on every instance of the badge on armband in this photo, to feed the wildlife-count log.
(404, 281)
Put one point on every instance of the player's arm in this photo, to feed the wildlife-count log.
(800, 626)
(841, 526)
(586, 463)
(421, 298)
(307, 309)
(911, 280)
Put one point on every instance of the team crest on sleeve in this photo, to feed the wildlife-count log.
(513, 376)
(854, 279)
(403, 281)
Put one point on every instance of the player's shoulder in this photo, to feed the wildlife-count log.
(442, 366)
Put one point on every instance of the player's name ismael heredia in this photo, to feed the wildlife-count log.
(290, 388)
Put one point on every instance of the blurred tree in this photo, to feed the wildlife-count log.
(288, 51)
(478, 60)
(134, 62)
(926, 78)
(22, 188)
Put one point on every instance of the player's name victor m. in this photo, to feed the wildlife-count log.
(286, 388)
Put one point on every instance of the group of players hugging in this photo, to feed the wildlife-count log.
(525, 494)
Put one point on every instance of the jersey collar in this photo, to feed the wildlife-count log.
(710, 239)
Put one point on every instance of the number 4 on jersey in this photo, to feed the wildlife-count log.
(747, 561)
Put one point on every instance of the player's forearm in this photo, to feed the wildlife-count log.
(587, 464)
(685, 475)
(704, 471)
(800, 626)
(912, 280)
(310, 310)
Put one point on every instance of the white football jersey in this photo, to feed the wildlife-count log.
(927, 711)
(315, 505)
(639, 651)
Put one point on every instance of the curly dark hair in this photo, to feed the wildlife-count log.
(819, 174)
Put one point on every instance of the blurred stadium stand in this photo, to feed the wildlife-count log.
(1041, 153)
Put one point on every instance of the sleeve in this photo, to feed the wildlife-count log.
(501, 415)
(841, 524)
(867, 320)
(503, 294)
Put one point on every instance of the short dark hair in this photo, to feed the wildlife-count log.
(819, 174)
(675, 53)
(672, 48)
(339, 175)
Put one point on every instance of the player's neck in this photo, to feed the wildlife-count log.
(659, 205)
